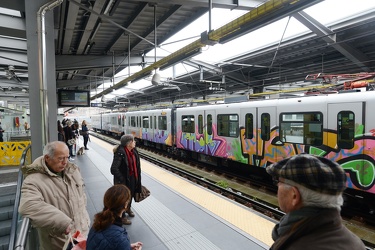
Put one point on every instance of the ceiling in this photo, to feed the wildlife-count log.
(95, 39)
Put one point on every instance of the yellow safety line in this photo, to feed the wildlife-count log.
(241, 217)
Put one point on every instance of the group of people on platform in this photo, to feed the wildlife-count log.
(53, 196)
(68, 132)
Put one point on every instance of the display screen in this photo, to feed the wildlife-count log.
(73, 98)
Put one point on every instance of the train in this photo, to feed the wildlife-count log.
(255, 134)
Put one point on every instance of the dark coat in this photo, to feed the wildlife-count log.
(69, 134)
(85, 131)
(324, 231)
(120, 168)
(111, 238)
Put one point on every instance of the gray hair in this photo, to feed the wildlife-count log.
(125, 139)
(312, 198)
(50, 148)
(69, 123)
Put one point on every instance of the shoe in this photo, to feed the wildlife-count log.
(86, 149)
(71, 159)
(130, 213)
(125, 221)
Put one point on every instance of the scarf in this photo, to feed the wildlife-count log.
(287, 221)
(132, 163)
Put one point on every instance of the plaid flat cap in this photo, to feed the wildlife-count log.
(314, 172)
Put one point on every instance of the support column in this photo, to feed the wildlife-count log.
(41, 129)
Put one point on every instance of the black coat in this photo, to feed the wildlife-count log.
(120, 168)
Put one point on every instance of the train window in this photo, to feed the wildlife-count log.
(209, 124)
(119, 120)
(162, 122)
(265, 130)
(200, 124)
(249, 126)
(188, 124)
(227, 125)
(145, 122)
(150, 121)
(302, 128)
(155, 122)
(345, 129)
(123, 120)
(132, 121)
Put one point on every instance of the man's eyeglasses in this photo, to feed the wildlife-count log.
(61, 159)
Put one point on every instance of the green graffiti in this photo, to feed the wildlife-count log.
(359, 128)
(237, 152)
(317, 151)
(363, 169)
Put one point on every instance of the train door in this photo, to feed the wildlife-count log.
(266, 120)
(347, 119)
(205, 130)
(248, 133)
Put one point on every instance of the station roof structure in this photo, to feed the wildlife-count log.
(98, 40)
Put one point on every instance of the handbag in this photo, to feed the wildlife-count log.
(71, 142)
(77, 241)
(81, 132)
(138, 197)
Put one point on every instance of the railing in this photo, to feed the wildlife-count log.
(16, 133)
(22, 232)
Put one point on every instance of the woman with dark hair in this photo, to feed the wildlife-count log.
(60, 132)
(69, 134)
(107, 231)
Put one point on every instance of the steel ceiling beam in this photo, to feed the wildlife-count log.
(256, 18)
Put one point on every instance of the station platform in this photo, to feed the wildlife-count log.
(178, 214)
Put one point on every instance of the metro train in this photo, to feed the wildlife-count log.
(255, 134)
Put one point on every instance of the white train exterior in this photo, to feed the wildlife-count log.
(340, 127)
(109, 123)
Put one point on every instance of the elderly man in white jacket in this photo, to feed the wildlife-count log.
(53, 196)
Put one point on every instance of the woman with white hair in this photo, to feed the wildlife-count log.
(126, 169)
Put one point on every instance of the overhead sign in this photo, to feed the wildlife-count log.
(93, 104)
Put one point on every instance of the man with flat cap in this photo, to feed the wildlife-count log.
(310, 192)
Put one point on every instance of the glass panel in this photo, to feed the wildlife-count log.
(249, 126)
(265, 126)
(301, 128)
(345, 129)
(162, 122)
(145, 122)
(227, 125)
(188, 124)
(132, 121)
(209, 124)
(200, 124)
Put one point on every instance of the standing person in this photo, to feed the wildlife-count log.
(85, 134)
(60, 132)
(1, 133)
(107, 231)
(53, 196)
(69, 134)
(126, 169)
(310, 192)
